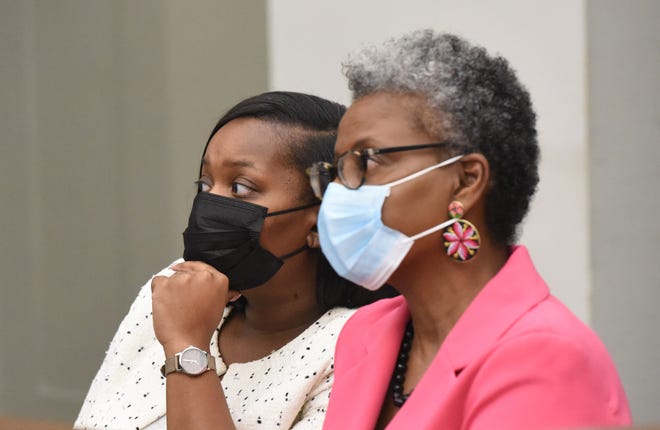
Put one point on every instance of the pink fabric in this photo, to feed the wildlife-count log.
(516, 359)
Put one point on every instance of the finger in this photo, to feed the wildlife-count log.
(157, 281)
(233, 295)
(192, 266)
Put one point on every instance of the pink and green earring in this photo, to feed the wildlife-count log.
(461, 239)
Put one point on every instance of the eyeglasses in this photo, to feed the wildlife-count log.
(351, 167)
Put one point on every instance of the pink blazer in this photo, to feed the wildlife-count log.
(516, 359)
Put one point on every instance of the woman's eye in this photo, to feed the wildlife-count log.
(240, 190)
(202, 186)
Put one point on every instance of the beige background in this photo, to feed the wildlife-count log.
(105, 106)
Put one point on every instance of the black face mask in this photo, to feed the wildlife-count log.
(224, 233)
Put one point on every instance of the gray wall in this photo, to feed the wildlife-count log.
(624, 135)
(105, 107)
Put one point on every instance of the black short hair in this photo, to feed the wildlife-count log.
(312, 122)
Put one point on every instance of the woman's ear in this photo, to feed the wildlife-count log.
(313, 239)
(313, 236)
(474, 177)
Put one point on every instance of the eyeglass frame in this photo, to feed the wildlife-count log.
(323, 168)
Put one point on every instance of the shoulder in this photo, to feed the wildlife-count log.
(548, 352)
(137, 325)
(372, 314)
(554, 322)
(330, 323)
(132, 360)
(558, 341)
(558, 360)
(552, 377)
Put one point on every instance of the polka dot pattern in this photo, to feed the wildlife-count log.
(288, 389)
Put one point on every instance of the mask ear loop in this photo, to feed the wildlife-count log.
(418, 174)
(297, 208)
(286, 211)
(433, 229)
(421, 172)
(295, 252)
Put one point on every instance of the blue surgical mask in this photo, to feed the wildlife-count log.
(353, 237)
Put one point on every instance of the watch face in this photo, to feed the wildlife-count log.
(193, 361)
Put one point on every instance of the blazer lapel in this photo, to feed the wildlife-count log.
(373, 365)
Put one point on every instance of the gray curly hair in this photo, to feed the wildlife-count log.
(476, 103)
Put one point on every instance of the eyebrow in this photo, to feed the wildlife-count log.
(365, 142)
(232, 163)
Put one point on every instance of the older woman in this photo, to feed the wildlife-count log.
(435, 165)
(265, 360)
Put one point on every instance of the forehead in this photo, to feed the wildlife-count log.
(381, 119)
(247, 141)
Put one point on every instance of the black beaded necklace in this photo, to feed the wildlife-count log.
(399, 374)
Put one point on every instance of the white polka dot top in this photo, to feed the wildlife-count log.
(288, 389)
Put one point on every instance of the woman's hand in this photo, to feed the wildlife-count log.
(188, 305)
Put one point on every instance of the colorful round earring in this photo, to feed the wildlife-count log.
(461, 239)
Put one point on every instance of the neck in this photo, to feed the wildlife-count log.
(286, 303)
(438, 290)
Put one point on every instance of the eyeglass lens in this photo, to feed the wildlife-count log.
(350, 168)
(320, 175)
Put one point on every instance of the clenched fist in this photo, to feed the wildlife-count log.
(188, 306)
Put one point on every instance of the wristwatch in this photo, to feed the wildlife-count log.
(191, 361)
